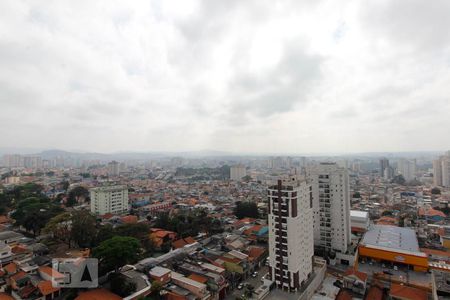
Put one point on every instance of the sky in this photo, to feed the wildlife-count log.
(256, 76)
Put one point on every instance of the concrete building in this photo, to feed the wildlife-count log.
(359, 220)
(331, 206)
(407, 168)
(237, 172)
(113, 168)
(109, 199)
(437, 172)
(441, 170)
(384, 163)
(291, 243)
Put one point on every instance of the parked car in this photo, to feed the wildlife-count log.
(240, 286)
(387, 272)
(254, 274)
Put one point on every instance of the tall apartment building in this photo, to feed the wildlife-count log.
(330, 188)
(113, 168)
(384, 163)
(407, 168)
(12, 160)
(109, 199)
(237, 172)
(291, 243)
(437, 172)
(441, 170)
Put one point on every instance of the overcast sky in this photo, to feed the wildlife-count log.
(259, 76)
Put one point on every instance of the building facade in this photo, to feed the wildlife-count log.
(384, 163)
(407, 168)
(441, 170)
(109, 199)
(331, 207)
(237, 172)
(291, 243)
(113, 168)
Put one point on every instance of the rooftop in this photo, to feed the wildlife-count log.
(388, 237)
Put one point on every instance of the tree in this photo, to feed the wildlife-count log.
(33, 213)
(399, 179)
(65, 185)
(75, 194)
(116, 252)
(387, 213)
(356, 195)
(247, 178)
(60, 227)
(435, 191)
(104, 233)
(83, 228)
(120, 286)
(155, 290)
(245, 209)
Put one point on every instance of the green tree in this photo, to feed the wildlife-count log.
(435, 191)
(60, 227)
(75, 194)
(387, 213)
(245, 209)
(33, 213)
(116, 252)
(120, 286)
(84, 229)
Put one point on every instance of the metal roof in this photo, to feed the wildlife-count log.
(392, 238)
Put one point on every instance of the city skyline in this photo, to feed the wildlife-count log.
(271, 77)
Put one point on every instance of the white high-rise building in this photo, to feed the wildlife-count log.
(441, 170)
(109, 199)
(291, 242)
(407, 168)
(331, 206)
(237, 172)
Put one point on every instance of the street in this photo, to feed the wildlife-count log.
(255, 282)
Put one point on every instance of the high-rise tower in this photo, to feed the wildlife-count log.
(291, 243)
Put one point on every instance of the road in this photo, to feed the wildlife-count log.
(255, 282)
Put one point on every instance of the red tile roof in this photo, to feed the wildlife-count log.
(407, 293)
(5, 296)
(198, 278)
(130, 219)
(10, 268)
(50, 272)
(46, 287)
(375, 293)
(360, 275)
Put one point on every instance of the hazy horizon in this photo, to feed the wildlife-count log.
(233, 76)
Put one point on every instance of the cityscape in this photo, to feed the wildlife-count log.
(224, 150)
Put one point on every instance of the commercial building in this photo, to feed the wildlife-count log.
(237, 172)
(393, 244)
(291, 244)
(331, 206)
(109, 199)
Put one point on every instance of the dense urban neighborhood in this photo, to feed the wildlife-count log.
(227, 227)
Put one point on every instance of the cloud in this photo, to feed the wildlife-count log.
(250, 76)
